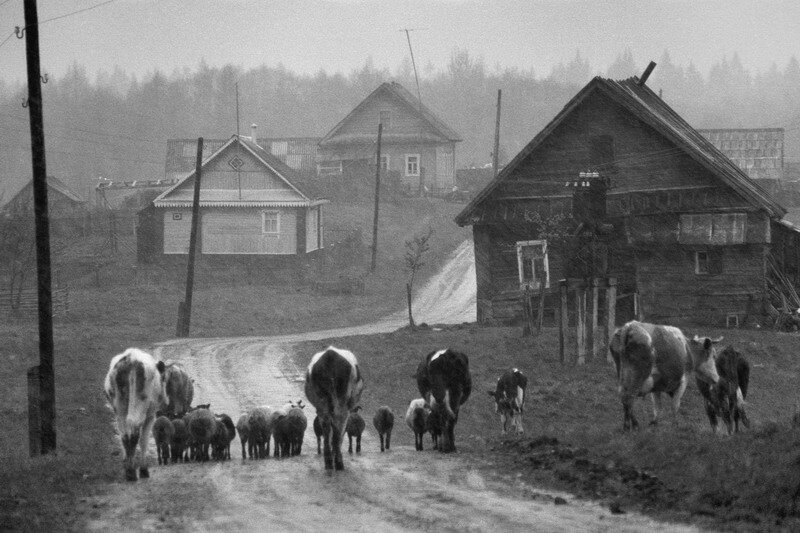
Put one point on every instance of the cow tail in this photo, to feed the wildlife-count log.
(330, 396)
(743, 371)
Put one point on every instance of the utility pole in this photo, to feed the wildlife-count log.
(238, 142)
(377, 197)
(419, 97)
(47, 385)
(495, 156)
(185, 307)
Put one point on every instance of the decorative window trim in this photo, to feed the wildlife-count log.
(530, 251)
(412, 165)
(177, 216)
(264, 220)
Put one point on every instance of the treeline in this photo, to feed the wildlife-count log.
(115, 125)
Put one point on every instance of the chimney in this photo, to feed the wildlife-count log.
(647, 73)
(254, 133)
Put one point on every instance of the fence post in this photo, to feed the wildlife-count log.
(580, 322)
(540, 318)
(611, 313)
(592, 333)
(564, 322)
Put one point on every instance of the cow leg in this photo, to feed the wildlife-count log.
(381, 437)
(677, 396)
(244, 454)
(338, 435)
(319, 447)
(655, 399)
(388, 438)
(350, 444)
(518, 423)
(327, 449)
(358, 443)
(504, 423)
(147, 430)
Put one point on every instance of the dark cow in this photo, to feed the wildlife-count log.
(333, 386)
(179, 390)
(509, 399)
(444, 381)
(135, 389)
(727, 398)
(651, 359)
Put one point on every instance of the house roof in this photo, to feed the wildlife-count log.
(53, 183)
(411, 102)
(645, 105)
(306, 189)
(757, 151)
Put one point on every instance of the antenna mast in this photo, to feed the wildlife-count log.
(413, 63)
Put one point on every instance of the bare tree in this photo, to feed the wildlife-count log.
(416, 249)
(16, 256)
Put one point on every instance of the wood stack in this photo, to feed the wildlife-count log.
(782, 301)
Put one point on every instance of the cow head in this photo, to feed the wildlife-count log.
(704, 356)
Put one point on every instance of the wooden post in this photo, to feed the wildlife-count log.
(593, 311)
(46, 372)
(377, 196)
(34, 418)
(408, 295)
(580, 322)
(611, 313)
(495, 152)
(186, 316)
(540, 318)
(637, 306)
(564, 322)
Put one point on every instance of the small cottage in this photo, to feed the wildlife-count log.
(619, 185)
(251, 203)
(417, 148)
(67, 211)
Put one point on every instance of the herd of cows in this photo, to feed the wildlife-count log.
(151, 397)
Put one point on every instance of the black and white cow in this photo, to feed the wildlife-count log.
(509, 399)
(651, 359)
(444, 380)
(333, 386)
(727, 398)
(135, 390)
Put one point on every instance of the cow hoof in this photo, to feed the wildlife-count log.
(130, 474)
(144, 473)
(339, 466)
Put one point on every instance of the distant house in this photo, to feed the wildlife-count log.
(417, 148)
(251, 203)
(62, 202)
(298, 153)
(646, 199)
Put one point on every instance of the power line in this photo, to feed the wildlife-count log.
(76, 12)
(6, 39)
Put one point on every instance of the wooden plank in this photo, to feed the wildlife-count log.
(580, 324)
(593, 311)
(564, 322)
(611, 314)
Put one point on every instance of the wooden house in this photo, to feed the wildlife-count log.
(638, 195)
(416, 146)
(66, 210)
(251, 203)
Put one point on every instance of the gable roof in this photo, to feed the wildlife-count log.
(403, 96)
(645, 105)
(52, 183)
(303, 187)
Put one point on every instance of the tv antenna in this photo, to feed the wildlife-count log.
(413, 63)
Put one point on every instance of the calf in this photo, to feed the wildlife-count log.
(333, 385)
(651, 359)
(384, 422)
(134, 389)
(180, 440)
(355, 428)
(509, 399)
(179, 390)
(444, 380)
(163, 433)
(726, 399)
(416, 419)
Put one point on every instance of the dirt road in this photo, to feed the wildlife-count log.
(400, 490)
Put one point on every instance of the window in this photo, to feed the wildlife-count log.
(412, 164)
(701, 263)
(384, 163)
(385, 119)
(533, 265)
(190, 149)
(270, 222)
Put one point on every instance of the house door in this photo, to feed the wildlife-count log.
(444, 167)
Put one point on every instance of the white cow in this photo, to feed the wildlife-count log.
(135, 389)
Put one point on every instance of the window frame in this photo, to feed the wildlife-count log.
(385, 158)
(702, 268)
(535, 282)
(264, 221)
(416, 173)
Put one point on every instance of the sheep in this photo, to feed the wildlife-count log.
(384, 422)
(295, 423)
(202, 426)
(163, 432)
(260, 424)
(275, 417)
(318, 431)
(417, 416)
(243, 428)
(230, 433)
(354, 428)
(180, 439)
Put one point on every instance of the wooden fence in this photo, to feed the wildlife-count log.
(27, 301)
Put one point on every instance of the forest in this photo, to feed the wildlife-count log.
(114, 125)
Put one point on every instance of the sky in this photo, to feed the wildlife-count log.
(306, 36)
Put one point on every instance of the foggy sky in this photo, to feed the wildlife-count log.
(307, 36)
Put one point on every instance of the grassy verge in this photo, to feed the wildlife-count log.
(573, 420)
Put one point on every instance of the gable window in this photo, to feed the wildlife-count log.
(270, 222)
(412, 164)
(701, 262)
(533, 265)
(385, 118)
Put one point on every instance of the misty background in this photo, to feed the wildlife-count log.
(129, 74)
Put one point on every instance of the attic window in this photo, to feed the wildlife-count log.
(236, 162)
(385, 118)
